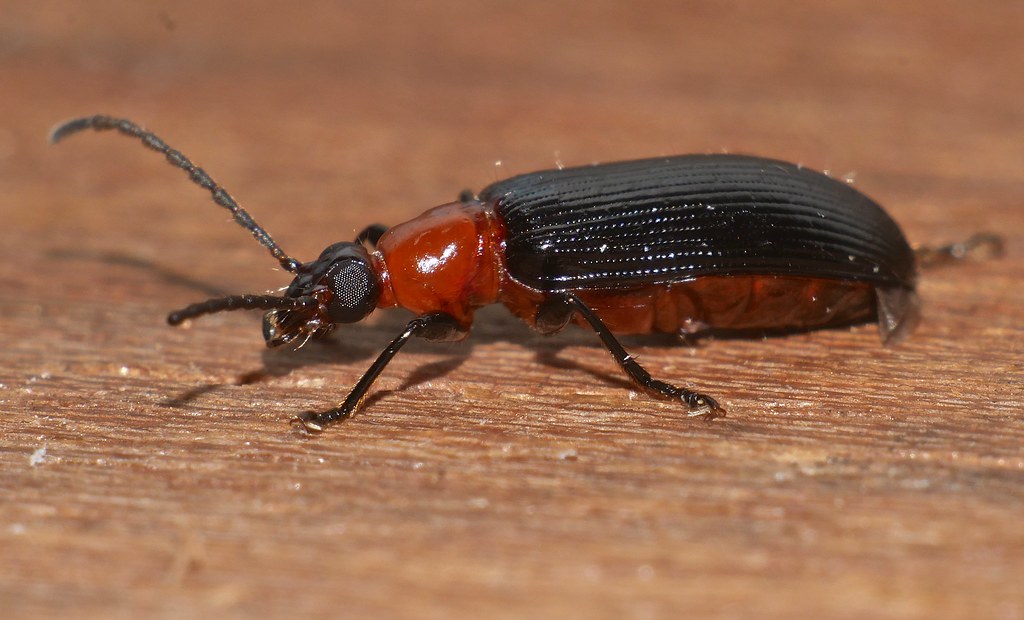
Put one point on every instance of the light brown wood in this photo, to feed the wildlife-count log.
(150, 471)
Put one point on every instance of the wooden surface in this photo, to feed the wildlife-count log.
(151, 472)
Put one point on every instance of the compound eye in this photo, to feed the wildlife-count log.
(354, 290)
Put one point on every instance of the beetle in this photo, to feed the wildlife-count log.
(681, 244)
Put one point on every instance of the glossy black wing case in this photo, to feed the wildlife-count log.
(630, 224)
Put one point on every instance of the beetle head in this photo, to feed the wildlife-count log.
(340, 286)
(344, 289)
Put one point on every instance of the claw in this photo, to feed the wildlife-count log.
(705, 407)
(306, 423)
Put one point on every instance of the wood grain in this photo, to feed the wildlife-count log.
(150, 471)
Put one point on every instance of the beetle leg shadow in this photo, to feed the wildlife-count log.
(331, 350)
(434, 370)
(548, 352)
(548, 355)
(188, 396)
(423, 374)
(276, 364)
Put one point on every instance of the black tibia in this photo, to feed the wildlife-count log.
(701, 404)
(436, 327)
(372, 234)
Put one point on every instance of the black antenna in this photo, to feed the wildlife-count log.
(196, 174)
(239, 302)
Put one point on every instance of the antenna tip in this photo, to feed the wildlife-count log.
(96, 121)
(67, 128)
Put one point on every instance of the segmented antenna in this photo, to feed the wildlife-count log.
(196, 174)
(239, 302)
